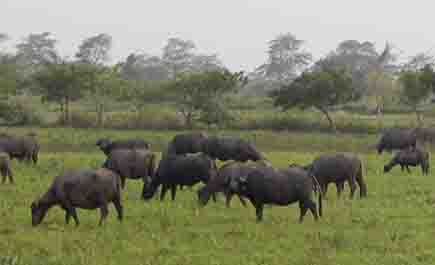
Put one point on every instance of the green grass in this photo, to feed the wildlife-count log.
(394, 225)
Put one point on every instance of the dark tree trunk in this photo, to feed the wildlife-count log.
(330, 120)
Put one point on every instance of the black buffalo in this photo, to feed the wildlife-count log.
(219, 184)
(406, 158)
(132, 164)
(266, 185)
(86, 189)
(22, 148)
(337, 169)
(397, 139)
(177, 170)
(106, 145)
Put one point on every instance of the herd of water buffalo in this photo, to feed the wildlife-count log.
(190, 158)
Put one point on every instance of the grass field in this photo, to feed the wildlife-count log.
(394, 225)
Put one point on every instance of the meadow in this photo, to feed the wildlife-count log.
(394, 225)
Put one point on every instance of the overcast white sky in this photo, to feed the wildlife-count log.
(237, 30)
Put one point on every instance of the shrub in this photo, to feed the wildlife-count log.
(19, 113)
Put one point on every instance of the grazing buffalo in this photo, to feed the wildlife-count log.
(5, 168)
(187, 143)
(217, 147)
(220, 182)
(176, 170)
(397, 139)
(338, 168)
(231, 148)
(106, 145)
(406, 158)
(266, 185)
(23, 148)
(86, 189)
(132, 164)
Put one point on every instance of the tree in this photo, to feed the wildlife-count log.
(144, 67)
(37, 50)
(95, 50)
(102, 85)
(416, 87)
(206, 63)
(178, 55)
(61, 83)
(321, 90)
(195, 93)
(93, 53)
(9, 75)
(285, 58)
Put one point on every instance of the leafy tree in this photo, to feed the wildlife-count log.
(178, 55)
(102, 85)
(9, 75)
(416, 87)
(95, 50)
(144, 67)
(285, 58)
(195, 93)
(206, 63)
(321, 90)
(61, 83)
(37, 50)
(100, 81)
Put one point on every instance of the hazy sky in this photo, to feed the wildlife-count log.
(237, 30)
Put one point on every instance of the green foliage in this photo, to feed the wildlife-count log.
(199, 95)
(321, 90)
(62, 83)
(16, 112)
(9, 76)
(95, 50)
(416, 87)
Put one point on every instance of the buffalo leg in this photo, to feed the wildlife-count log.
(407, 169)
(313, 208)
(228, 197)
(123, 182)
(402, 167)
(4, 178)
(73, 212)
(163, 192)
(242, 200)
(352, 186)
(259, 212)
(10, 176)
(104, 212)
(303, 209)
(340, 188)
(67, 216)
(118, 207)
(173, 191)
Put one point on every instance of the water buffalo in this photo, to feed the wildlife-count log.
(397, 139)
(406, 158)
(338, 168)
(22, 148)
(133, 164)
(266, 185)
(106, 145)
(176, 170)
(220, 182)
(5, 168)
(86, 189)
(187, 143)
(217, 147)
(231, 148)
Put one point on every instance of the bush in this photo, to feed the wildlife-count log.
(19, 113)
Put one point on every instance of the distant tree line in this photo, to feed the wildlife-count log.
(199, 84)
